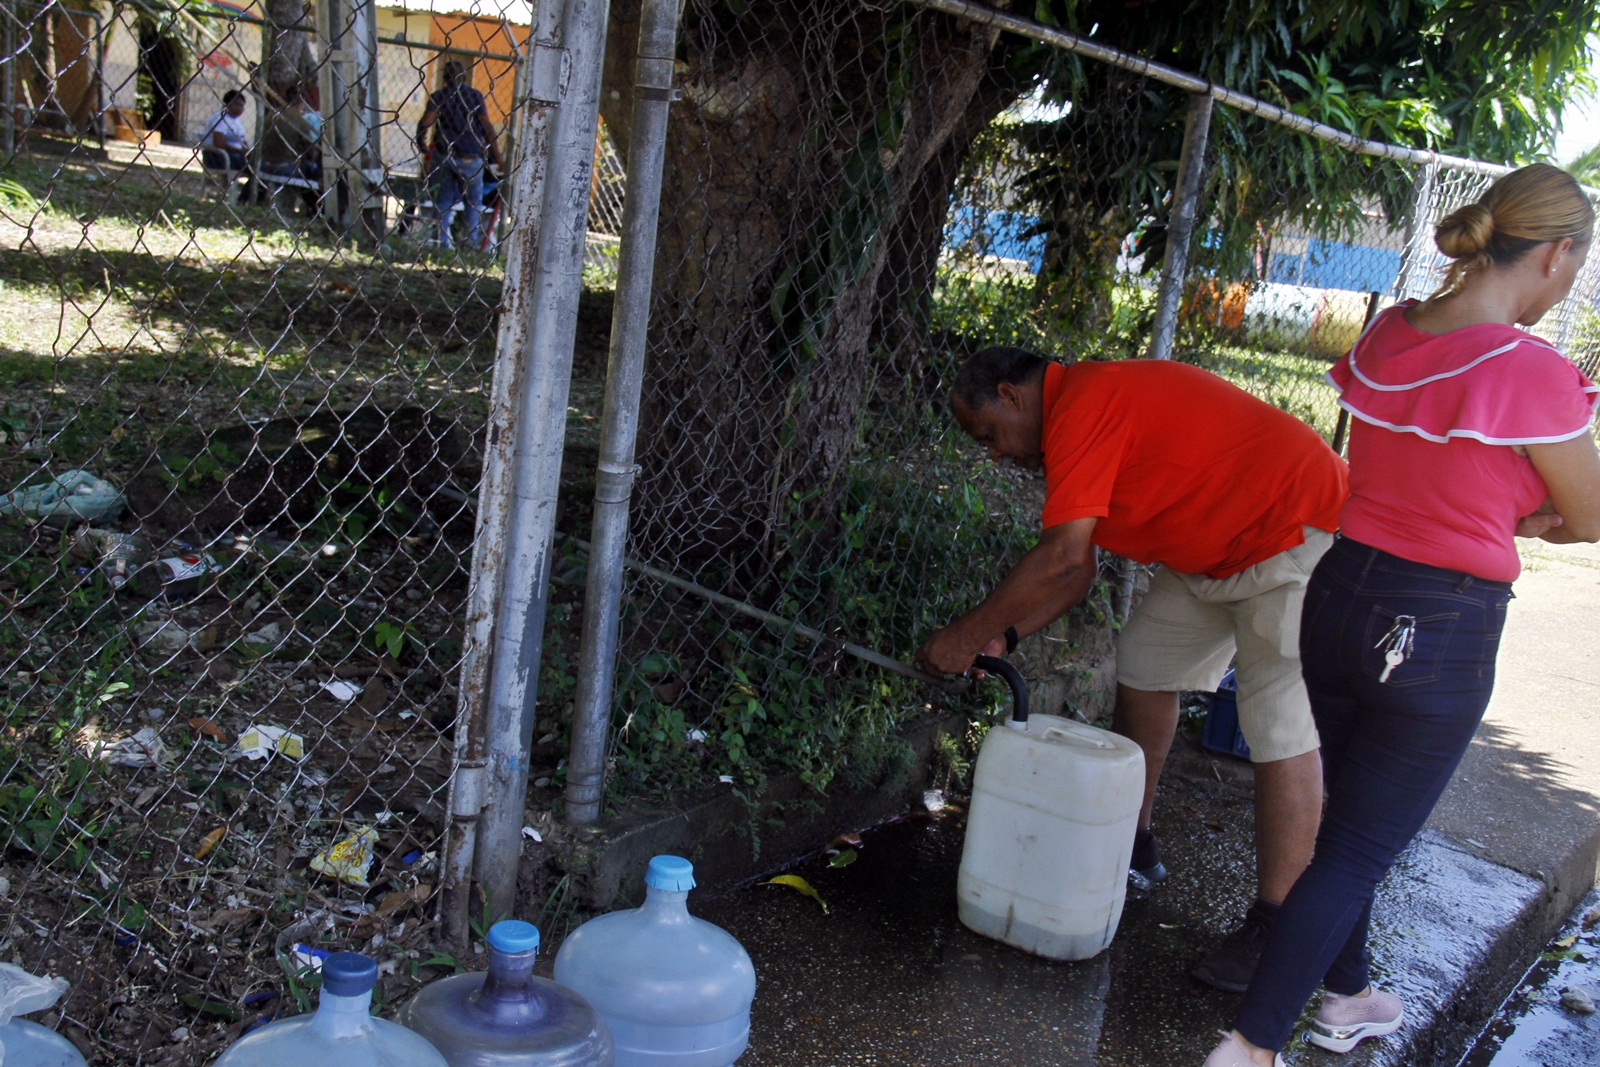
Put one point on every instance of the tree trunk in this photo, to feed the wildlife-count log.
(286, 45)
(807, 142)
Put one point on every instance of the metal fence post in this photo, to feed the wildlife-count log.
(555, 281)
(526, 182)
(653, 93)
(8, 72)
(1180, 225)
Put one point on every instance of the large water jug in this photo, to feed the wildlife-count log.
(1055, 803)
(509, 1017)
(340, 1033)
(24, 1043)
(28, 1044)
(674, 989)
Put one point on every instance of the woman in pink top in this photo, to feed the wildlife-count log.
(1468, 432)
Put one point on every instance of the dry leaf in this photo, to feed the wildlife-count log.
(210, 729)
(210, 841)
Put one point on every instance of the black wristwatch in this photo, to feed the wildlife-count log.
(1011, 639)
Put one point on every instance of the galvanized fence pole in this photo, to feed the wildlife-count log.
(529, 168)
(1180, 225)
(555, 280)
(8, 75)
(653, 94)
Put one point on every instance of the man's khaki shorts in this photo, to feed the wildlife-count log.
(1187, 628)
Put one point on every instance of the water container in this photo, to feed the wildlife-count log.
(340, 1033)
(27, 1044)
(1044, 866)
(30, 1045)
(674, 989)
(508, 1017)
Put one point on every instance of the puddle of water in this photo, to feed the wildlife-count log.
(1532, 1027)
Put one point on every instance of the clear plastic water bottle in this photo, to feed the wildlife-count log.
(340, 1033)
(674, 989)
(28, 1044)
(507, 1016)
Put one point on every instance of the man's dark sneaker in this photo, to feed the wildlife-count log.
(1232, 963)
(1145, 869)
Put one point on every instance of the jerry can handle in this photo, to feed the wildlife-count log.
(1019, 688)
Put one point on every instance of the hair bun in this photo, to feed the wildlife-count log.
(1465, 232)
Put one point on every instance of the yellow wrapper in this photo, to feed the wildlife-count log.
(350, 859)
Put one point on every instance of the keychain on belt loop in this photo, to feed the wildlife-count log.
(1399, 639)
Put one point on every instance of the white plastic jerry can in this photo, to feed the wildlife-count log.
(1044, 866)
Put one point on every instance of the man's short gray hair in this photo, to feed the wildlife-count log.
(977, 383)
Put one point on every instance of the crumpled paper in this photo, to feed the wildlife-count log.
(260, 742)
(348, 860)
(143, 749)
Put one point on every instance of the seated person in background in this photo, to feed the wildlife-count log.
(288, 148)
(222, 141)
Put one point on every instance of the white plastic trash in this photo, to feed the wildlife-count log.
(69, 497)
(1049, 835)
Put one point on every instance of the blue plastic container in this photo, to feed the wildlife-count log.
(1221, 734)
(28, 1044)
(675, 990)
(340, 1033)
(507, 1016)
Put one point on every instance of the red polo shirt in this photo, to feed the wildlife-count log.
(1182, 468)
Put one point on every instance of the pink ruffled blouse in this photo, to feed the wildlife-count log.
(1433, 476)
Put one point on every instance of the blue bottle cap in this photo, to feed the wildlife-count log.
(514, 935)
(349, 974)
(672, 873)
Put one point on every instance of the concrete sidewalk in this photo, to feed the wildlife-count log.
(889, 976)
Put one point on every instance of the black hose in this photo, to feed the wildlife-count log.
(1013, 677)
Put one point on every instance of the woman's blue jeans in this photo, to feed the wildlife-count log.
(460, 180)
(1388, 749)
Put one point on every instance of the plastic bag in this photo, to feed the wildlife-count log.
(72, 496)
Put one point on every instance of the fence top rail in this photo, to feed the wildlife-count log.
(1193, 83)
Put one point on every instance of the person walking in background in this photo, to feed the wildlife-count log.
(1468, 433)
(1166, 463)
(464, 140)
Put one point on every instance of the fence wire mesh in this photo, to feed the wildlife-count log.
(245, 441)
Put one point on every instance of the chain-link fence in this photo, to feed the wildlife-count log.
(243, 444)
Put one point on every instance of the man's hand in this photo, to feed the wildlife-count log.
(949, 651)
(1540, 522)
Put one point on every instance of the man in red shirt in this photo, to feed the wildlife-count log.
(1236, 501)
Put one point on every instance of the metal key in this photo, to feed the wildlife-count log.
(1400, 638)
(1391, 659)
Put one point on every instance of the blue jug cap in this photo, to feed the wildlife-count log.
(349, 974)
(672, 873)
(514, 935)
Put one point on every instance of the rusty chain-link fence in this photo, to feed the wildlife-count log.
(242, 444)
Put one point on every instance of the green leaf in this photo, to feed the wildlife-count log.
(799, 885)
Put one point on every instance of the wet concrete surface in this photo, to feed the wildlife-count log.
(888, 975)
(1535, 1026)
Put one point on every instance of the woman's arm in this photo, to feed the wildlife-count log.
(1571, 471)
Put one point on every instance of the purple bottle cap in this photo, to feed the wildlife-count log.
(672, 873)
(349, 974)
(514, 936)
